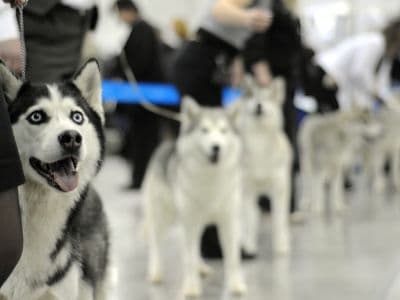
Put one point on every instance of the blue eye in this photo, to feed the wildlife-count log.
(77, 117)
(37, 117)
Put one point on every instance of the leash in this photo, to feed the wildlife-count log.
(146, 104)
(20, 17)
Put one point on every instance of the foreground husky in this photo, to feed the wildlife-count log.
(267, 161)
(58, 129)
(198, 181)
(328, 145)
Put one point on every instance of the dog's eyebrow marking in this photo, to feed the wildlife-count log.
(54, 93)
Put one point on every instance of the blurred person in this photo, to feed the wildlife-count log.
(275, 52)
(143, 56)
(313, 82)
(11, 175)
(54, 36)
(361, 66)
(202, 66)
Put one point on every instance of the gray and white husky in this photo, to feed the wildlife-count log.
(328, 146)
(267, 161)
(58, 130)
(197, 181)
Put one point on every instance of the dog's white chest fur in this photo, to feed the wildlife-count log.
(44, 216)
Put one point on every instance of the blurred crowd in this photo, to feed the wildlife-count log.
(234, 37)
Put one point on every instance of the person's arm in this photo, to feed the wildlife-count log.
(235, 13)
(10, 233)
(15, 3)
(10, 45)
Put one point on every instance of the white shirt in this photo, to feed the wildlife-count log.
(8, 23)
(352, 64)
(79, 4)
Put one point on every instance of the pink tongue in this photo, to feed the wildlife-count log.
(67, 182)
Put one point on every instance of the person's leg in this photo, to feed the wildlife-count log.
(11, 176)
(10, 233)
(145, 138)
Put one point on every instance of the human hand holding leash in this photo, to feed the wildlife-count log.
(258, 20)
(16, 3)
(10, 52)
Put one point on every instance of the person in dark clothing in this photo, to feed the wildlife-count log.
(275, 52)
(11, 174)
(54, 35)
(202, 67)
(312, 80)
(143, 56)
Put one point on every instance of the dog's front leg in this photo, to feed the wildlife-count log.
(337, 191)
(192, 235)
(280, 194)
(395, 167)
(229, 232)
(251, 219)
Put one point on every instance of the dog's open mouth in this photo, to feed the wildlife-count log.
(61, 174)
(214, 158)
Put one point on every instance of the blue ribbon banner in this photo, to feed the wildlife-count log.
(156, 93)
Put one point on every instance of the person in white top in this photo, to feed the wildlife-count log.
(360, 66)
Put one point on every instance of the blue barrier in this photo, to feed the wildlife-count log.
(156, 93)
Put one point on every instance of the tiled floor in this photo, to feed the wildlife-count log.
(349, 257)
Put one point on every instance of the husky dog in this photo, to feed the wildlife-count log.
(197, 180)
(58, 130)
(383, 148)
(267, 161)
(328, 145)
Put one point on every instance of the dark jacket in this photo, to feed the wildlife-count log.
(143, 52)
(11, 174)
(280, 44)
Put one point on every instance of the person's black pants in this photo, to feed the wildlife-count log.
(143, 137)
(11, 176)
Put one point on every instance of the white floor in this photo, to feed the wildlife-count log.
(349, 257)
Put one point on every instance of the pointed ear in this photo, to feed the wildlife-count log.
(88, 81)
(190, 109)
(279, 90)
(233, 111)
(9, 83)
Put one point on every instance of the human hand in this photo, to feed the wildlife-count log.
(15, 3)
(262, 73)
(258, 20)
(10, 52)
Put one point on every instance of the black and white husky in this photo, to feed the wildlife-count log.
(58, 129)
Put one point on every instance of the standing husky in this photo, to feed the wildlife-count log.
(328, 145)
(197, 180)
(267, 162)
(58, 129)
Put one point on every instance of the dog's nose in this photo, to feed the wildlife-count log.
(216, 149)
(70, 140)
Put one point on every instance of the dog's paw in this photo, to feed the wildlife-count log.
(238, 287)
(155, 277)
(192, 289)
(205, 270)
(282, 246)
